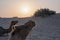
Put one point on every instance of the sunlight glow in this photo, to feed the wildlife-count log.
(25, 10)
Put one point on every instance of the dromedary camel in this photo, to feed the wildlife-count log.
(11, 25)
(21, 32)
(3, 31)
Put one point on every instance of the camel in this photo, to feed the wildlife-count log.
(11, 25)
(3, 31)
(22, 31)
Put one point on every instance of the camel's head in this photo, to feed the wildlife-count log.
(30, 23)
(14, 22)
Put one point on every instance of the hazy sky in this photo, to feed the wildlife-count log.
(10, 8)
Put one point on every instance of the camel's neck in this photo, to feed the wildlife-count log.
(25, 33)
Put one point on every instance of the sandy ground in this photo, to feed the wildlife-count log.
(46, 28)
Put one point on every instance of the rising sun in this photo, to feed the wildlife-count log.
(25, 9)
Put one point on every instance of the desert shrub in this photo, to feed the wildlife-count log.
(44, 12)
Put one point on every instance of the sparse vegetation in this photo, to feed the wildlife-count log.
(44, 12)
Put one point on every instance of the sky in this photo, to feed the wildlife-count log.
(11, 8)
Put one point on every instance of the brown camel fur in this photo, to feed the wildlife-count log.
(21, 32)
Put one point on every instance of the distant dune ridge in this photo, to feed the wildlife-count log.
(47, 28)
